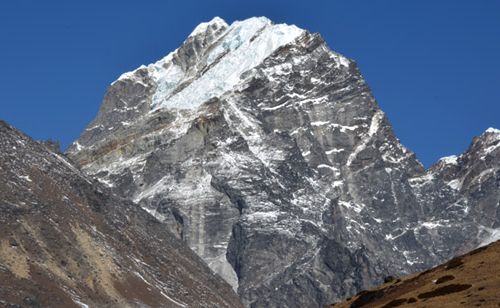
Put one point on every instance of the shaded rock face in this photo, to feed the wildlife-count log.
(66, 241)
(266, 152)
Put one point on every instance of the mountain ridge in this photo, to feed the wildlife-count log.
(287, 178)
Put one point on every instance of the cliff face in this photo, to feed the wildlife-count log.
(266, 152)
(66, 241)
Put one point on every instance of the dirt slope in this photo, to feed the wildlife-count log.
(471, 280)
(65, 241)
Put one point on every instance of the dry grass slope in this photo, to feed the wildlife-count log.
(471, 280)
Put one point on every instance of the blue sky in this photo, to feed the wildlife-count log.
(434, 66)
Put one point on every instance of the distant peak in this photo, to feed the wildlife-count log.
(218, 20)
(491, 135)
(492, 130)
(253, 20)
(215, 23)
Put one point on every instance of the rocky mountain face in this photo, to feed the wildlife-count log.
(66, 241)
(266, 152)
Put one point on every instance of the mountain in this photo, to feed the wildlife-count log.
(469, 280)
(66, 241)
(266, 152)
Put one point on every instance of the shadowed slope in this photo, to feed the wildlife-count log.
(66, 241)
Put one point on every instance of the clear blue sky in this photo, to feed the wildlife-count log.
(434, 66)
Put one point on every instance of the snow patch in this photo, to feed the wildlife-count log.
(421, 180)
(484, 174)
(489, 150)
(334, 151)
(319, 123)
(142, 278)
(374, 127)
(455, 184)
(337, 183)
(327, 167)
(275, 107)
(351, 205)
(493, 236)
(449, 160)
(340, 60)
(409, 258)
(202, 28)
(106, 182)
(173, 300)
(26, 178)
(78, 146)
(79, 303)
(431, 225)
(163, 185)
(390, 237)
(492, 130)
(244, 45)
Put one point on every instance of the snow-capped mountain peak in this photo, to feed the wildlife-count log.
(267, 153)
(223, 53)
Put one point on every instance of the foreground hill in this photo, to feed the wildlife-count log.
(66, 242)
(471, 280)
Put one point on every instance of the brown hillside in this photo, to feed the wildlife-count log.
(471, 280)
(66, 241)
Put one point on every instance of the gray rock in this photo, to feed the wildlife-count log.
(267, 153)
